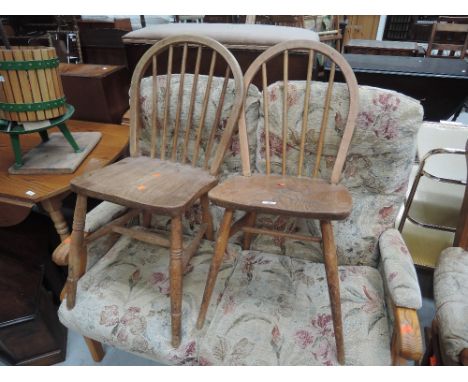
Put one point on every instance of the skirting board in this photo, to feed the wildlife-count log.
(56, 156)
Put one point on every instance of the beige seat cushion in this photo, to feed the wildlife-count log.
(231, 35)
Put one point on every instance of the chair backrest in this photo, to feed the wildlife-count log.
(177, 88)
(311, 50)
(454, 39)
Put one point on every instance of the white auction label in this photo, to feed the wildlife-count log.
(268, 202)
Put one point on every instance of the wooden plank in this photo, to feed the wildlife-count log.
(15, 84)
(43, 84)
(324, 124)
(217, 118)
(144, 235)
(56, 156)
(266, 117)
(188, 126)
(25, 85)
(305, 115)
(154, 112)
(204, 108)
(180, 100)
(263, 231)
(285, 110)
(3, 90)
(34, 82)
(54, 112)
(166, 102)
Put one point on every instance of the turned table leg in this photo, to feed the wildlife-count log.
(53, 208)
(333, 280)
(77, 250)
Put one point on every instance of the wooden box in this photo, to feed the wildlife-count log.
(30, 332)
(99, 93)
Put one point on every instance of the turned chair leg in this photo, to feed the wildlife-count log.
(247, 239)
(77, 255)
(95, 348)
(145, 219)
(175, 270)
(207, 217)
(331, 268)
(221, 244)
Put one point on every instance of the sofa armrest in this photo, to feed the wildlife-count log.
(398, 272)
(100, 215)
(406, 339)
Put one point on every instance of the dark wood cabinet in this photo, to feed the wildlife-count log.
(99, 93)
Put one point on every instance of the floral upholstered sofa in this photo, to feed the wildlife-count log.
(270, 305)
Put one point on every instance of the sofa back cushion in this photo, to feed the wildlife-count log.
(376, 171)
(232, 161)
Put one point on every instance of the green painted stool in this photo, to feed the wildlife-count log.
(15, 129)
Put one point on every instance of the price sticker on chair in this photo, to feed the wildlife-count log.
(269, 202)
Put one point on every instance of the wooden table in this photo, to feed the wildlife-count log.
(441, 84)
(18, 193)
(391, 48)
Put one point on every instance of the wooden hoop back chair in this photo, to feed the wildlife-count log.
(456, 38)
(169, 181)
(290, 195)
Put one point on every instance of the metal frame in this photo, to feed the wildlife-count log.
(421, 172)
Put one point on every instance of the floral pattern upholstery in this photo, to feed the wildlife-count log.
(399, 271)
(124, 300)
(275, 310)
(451, 299)
(376, 171)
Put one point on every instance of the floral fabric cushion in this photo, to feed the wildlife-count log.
(376, 172)
(275, 311)
(398, 271)
(124, 300)
(265, 310)
(102, 214)
(232, 162)
(451, 299)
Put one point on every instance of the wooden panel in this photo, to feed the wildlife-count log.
(361, 27)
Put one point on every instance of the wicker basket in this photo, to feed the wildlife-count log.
(30, 85)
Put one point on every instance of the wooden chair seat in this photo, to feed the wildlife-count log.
(151, 184)
(284, 195)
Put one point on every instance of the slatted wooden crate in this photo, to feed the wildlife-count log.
(30, 84)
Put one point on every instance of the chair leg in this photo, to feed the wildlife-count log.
(145, 219)
(77, 250)
(220, 248)
(247, 240)
(331, 268)
(95, 348)
(206, 216)
(175, 270)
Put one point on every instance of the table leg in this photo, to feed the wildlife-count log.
(44, 135)
(15, 143)
(53, 208)
(69, 137)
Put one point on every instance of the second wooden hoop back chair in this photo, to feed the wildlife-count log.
(292, 192)
(179, 170)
